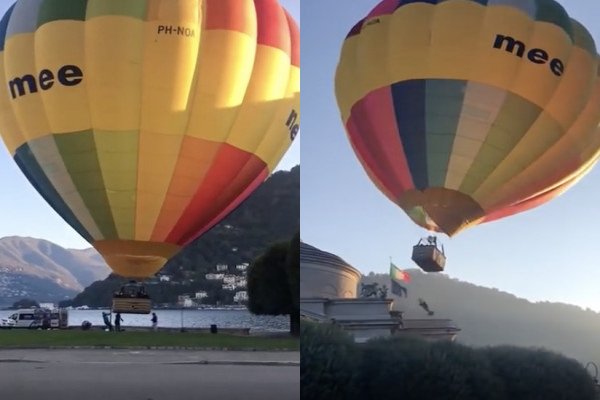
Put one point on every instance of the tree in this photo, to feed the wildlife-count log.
(293, 277)
(25, 303)
(269, 289)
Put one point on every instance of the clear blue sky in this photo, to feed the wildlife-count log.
(27, 214)
(549, 253)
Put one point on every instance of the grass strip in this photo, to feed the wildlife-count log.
(75, 338)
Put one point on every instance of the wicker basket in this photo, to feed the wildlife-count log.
(131, 305)
(429, 258)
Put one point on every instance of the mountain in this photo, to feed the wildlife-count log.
(270, 215)
(488, 316)
(44, 271)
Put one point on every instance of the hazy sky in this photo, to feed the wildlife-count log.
(549, 253)
(25, 213)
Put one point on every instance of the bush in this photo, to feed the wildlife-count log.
(327, 362)
(471, 370)
(532, 374)
(412, 368)
(334, 367)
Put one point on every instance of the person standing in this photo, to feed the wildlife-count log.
(118, 320)
(154, 322)
(106, 318)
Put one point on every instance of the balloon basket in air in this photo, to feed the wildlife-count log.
(428, 257)
(131, 305)
(132, 299)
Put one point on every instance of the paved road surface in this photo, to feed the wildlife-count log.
(148, 375)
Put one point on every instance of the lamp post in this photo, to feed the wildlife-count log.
(182, 328)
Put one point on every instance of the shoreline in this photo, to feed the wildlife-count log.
(204, 308)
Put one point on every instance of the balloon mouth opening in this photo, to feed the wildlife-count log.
(135, 259)
(135, 266)
(442, 210)
(140, 260)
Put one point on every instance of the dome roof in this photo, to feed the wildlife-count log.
(310, 254)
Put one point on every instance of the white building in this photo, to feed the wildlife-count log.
(240, 296)
(214, 277)
(201, 294)
(222, 267)
(229, 279)
(164, 278)
(242, 267)
(228, 286)
(328, 294)
(185, 301)
(240, 281)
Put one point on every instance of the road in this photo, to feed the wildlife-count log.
(148, 375)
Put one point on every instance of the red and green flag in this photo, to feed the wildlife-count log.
(397, 274)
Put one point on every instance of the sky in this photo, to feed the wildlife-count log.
(27, 214)
(547, 254)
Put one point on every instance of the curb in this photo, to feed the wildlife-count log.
(225, 349)
(256, 363)
(202, 362)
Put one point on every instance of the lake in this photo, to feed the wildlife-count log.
(187, 318)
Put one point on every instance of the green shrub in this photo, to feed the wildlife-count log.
(412, 368)
(327, 362)
(334, 367)
(536, 374)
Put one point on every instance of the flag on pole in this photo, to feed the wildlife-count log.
(398, 289)
(397, 274)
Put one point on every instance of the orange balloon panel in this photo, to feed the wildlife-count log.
(143, 123)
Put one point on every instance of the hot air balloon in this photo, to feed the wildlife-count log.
(463, 112)
(143, 123)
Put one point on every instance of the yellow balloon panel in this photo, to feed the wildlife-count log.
(146, 122)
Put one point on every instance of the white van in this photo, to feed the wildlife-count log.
(34, 318)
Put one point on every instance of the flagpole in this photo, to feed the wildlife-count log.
(393, 305)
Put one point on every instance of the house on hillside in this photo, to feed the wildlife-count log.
(240, 296)
(201, 295)
(240, 281)
(242, 267)
(222, 267)
(185, 301)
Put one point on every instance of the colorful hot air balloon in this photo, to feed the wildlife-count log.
(466, 111)
(145, 122)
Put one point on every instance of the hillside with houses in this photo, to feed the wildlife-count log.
(234, 282)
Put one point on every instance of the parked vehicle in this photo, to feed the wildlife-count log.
(35, 318)
(7, 323)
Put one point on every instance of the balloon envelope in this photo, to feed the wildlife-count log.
(143, 123)
(465, 111)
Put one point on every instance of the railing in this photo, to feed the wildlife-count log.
(313, 316)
